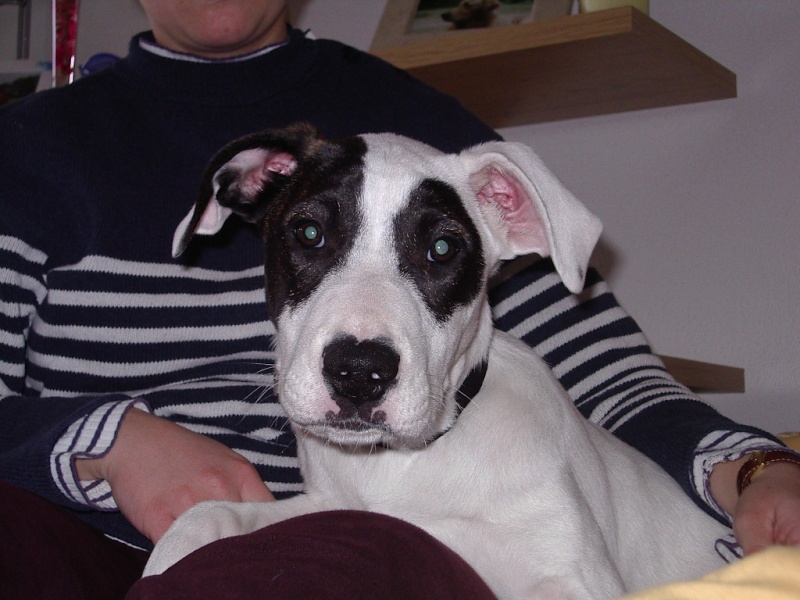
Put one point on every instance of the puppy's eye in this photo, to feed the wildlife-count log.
(442, 250)
(309, 234)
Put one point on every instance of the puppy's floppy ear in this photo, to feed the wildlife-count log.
(529, 211)
(242, 178)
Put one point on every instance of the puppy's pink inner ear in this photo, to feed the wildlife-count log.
(524, 225)
(281, 163)
(255, 166)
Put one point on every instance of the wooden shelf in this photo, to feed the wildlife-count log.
(705, 377)
(574, 66)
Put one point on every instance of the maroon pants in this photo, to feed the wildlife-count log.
(45, 552)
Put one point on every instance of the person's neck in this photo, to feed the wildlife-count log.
(275, 34)
(229, 52)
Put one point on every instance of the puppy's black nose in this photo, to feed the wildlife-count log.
(359, 371)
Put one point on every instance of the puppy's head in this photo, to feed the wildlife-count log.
(378, 249)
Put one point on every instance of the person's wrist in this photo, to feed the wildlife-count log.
(90, 468)
(758, 463)
(722, 482)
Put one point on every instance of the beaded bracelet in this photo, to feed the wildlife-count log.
(756, 463)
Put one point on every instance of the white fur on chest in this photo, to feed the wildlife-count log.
(487, 490)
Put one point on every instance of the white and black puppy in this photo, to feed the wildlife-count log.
(378, 251)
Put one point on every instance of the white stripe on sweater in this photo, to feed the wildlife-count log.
(160, 335)
(117, 370)
(115, 266)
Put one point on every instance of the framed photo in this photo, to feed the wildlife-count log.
(408, 21)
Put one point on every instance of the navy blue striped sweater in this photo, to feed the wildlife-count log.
(96, 317)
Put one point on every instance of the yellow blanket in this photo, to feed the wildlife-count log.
(772, 574)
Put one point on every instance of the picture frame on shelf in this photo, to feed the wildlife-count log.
(408, 21)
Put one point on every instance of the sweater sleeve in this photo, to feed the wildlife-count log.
(39, 436)
(606, 365)
(89, 437)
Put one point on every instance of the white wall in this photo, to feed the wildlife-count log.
(700, 202)
(40, 49)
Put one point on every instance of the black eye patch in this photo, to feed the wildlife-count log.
(310, 230)
(439, 248)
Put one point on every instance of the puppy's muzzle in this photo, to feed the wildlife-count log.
(358, 374)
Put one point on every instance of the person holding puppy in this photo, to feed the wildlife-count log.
(128, 379)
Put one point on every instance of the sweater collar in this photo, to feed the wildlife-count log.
(149, 44)
(254, 77)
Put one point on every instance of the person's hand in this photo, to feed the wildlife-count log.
(157, 470)
(768, 511)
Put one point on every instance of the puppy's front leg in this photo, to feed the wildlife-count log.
(211, 521)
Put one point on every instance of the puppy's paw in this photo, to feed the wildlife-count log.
(200, 525)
